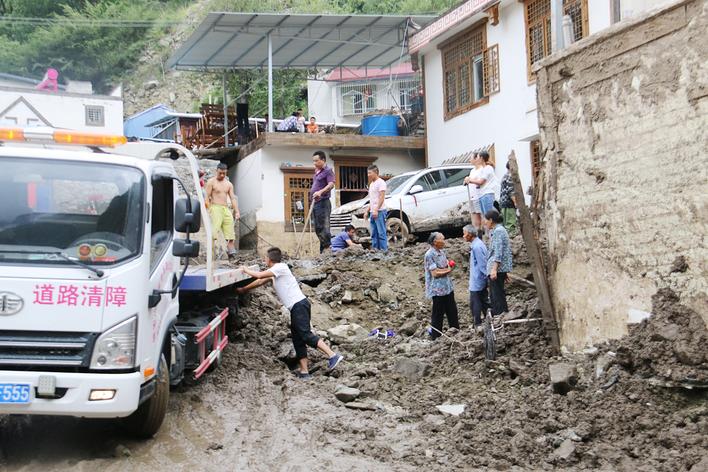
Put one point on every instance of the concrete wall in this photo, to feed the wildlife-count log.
(624, 126)
(260, 184)
(59, 110)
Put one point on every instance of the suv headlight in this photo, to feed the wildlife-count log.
(115, 349)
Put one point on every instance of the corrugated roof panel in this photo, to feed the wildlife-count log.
(238, 40)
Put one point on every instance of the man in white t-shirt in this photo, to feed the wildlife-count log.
(288, 291)
(377, 209)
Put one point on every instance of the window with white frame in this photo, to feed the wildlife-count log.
(95, 115)
(357, 99)
(407, 93)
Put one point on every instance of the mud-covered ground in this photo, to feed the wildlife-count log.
(638, 404)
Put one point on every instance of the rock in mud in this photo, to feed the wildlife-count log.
(411, 369)
(347, 333)
(603, 363)
(361, 406)
(386, 294)
(565, 450)
(518, 368)
(409, 327)
(346, 394)
(564, 377)
(453, 410)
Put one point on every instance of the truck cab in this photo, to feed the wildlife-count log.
(90, 267)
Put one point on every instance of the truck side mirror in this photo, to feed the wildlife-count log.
(185, 248)
(185, 221)
(415, 189)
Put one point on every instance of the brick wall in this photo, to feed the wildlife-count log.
(623, 195)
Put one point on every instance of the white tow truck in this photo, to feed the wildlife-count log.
(100, 310)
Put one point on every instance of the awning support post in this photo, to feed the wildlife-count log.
(270, 83)
(226, 111)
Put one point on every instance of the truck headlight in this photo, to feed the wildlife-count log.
(115, 349)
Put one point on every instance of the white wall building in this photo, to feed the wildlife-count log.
(27, 107)
(274, 173)
(477, 62)
(345, 95)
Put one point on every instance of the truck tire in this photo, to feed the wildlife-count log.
(396, 231)
(148, 418)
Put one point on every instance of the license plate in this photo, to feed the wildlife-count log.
(14, 393)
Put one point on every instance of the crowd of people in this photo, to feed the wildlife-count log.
(489, 267)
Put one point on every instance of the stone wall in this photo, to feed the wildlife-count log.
(623, 196)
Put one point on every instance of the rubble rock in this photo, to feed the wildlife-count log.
(603, 363)
(347, 333)
(409, 327)
(151, 84)
(361, 406)
(386, 294)
(346, 394)
(564, 376)
(411, 369)
(453, 410)
(517, 367)
(565, 450)
(668, 333)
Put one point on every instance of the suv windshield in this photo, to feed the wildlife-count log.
(395, 184)
(88, 211)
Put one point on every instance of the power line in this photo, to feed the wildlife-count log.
(90, 22)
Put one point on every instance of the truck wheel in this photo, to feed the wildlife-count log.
(147, 419)
(396, 231)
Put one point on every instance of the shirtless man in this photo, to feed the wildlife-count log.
(218, 191)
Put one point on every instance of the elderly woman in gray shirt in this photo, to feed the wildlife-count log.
(438, 285)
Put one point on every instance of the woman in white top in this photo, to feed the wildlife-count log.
(486, 181)
(474, 192)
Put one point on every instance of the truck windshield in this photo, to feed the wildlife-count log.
(88, 211)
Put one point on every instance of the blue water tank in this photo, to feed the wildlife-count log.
(380, 125)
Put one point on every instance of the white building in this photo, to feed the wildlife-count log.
(344, 95)
(477, 62)
(273, 174)
(25, 107)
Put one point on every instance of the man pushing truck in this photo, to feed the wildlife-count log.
(218, 191)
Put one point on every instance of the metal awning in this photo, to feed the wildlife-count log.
(226, 41)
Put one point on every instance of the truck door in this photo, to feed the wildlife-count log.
(163, 265)
(428, 204)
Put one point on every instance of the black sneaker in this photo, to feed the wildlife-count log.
(303, 375)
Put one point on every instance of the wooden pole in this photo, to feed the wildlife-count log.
(534, 253)
(304, 228)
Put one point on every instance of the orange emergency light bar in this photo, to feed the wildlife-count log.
(61, 137)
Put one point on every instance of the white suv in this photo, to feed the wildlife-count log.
(419, 201)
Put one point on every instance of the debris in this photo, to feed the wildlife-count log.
(346, 394)
(386, 294)
(121, 451)
(517, 367)
(563, 377)
(411, 369)
(215, 447)
(347, 333)
(565, 450)
(635, 316)
(453, 410)
(361, 406)
(603, 363)
(409, 327)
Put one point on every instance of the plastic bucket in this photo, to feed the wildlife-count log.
(380, 125)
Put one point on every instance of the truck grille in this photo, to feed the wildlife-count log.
(33, 350)
(338, 222)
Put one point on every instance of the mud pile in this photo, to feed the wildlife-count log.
(638, 403)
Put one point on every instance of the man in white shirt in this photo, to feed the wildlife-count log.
(290, 295)
(377, 209)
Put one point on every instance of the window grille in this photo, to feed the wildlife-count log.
(357, 99)
(94, 115)
(470, 71)
(577, 10)
(535, 159)
(297, 206)
(537, 18)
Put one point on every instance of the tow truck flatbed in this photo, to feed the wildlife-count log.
(196, 277)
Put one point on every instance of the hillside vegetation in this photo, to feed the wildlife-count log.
(112, 42)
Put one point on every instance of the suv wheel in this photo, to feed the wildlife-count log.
(396, 231)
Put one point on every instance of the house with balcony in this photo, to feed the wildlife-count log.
(477, 63)
(345, 95)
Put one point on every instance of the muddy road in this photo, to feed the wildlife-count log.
(637, 404)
